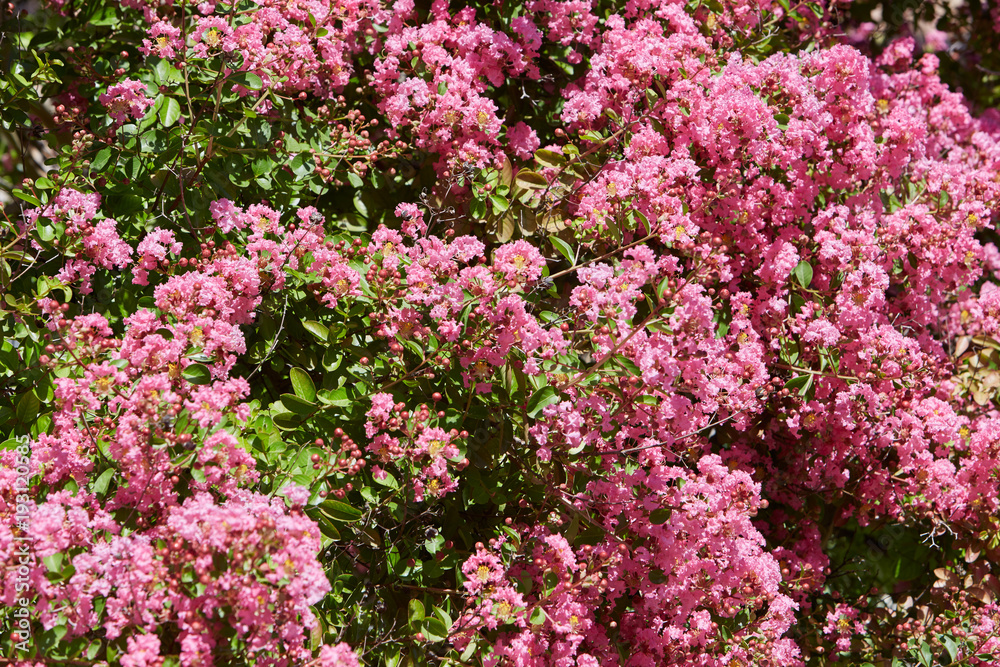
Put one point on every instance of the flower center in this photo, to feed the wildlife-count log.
(212, 37)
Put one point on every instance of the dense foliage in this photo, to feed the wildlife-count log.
(571, 332)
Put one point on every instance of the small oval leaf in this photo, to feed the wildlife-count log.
(302, 384)
(197, 374)
(297, 405)
(338, 511)
(530, 180)
(548, 158)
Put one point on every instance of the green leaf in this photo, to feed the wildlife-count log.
(327, 528)
(548, 158)
(537, 616)
(563, 249)
(53, 562)
(951, 646)
(434, 630)
(297, 405)
(540, 399)
(661, 289)
(338, 511)
(198, 475)
(500, 204)
(27, 407)
(416, 612)
(197, 374)
(477, 207)
(469, 651)
(169, 112)
(100, 485)
(100, 160)
(926, 656)
(337, 397)
(443, 615)
(247, 80)
(530, 180)
(302, 384)
(660, 516)
(302, 165)
(657, 576)
(318, 330)
(21, 194)
(803, 273)
(798, 382)
(629, 365)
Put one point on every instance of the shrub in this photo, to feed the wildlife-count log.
(562, 333)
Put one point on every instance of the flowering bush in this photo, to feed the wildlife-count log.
(565, 333)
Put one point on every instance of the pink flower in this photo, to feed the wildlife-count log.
(520, 262)
(143, 651)
(153, 249)
(482, 570)
(340, 655)
(126, 100)
(165, 42)
(523, 140)
(414, 224)
(382, 408)
(296, 494)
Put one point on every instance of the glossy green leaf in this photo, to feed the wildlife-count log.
(563, 249)
(416, 612)
(320, 331)
(530, 180)
(540, 399)
(548, 158)
(302, 165)
(500, 204)
(100, 485)
(339, 511)
(303, 385)
(247, 80)
(297, 405)
(803, 273)
(660, 516)
(169, 112)
(197, 374)
(27, 407)
(100, 161)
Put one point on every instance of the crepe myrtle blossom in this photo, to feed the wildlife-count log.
(126, 101)
(769, 326)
